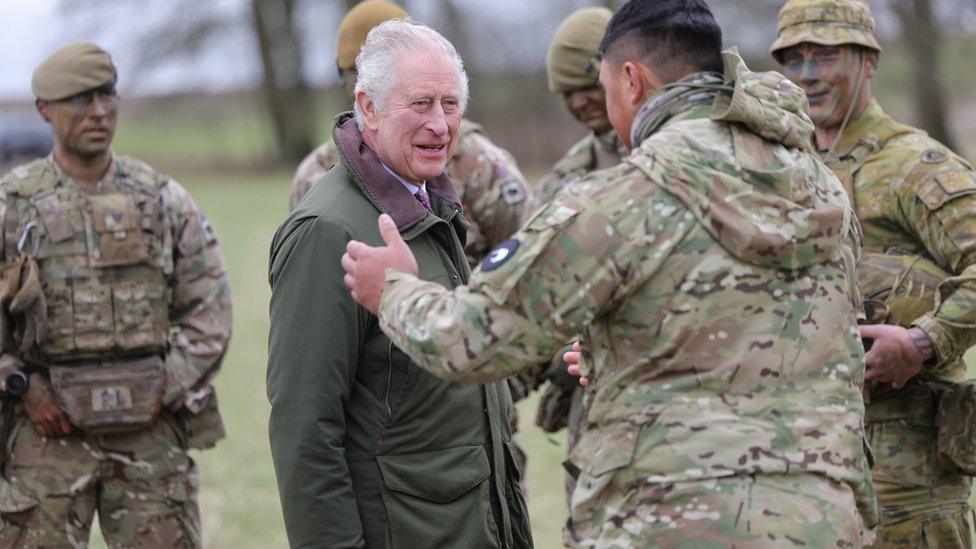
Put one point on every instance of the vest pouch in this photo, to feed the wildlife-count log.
(116, 236)
(956, 422)
(117, 397)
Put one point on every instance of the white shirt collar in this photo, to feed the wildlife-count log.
(409, 186)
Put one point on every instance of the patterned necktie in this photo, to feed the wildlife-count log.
(421, 197)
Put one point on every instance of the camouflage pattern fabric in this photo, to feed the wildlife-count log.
(142, 485)
(592, 153)
(914, 197)
(711, 276)
(492, 188)
(130, 268)
(743, 512)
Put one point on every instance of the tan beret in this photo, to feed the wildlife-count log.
(356, 25)
(72, 69)
(572, 62)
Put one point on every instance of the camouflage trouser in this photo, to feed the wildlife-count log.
(922, 505)
(143, 486)
(749, 511)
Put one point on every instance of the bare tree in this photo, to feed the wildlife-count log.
(285, 91)
(922, 40)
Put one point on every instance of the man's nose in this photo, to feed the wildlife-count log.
(577, 99)
(437, 119)
(97, 107)
(808, 71)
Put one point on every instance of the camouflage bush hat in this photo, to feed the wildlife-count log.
(825, 22)
(573, 59)
(72, 69)
(356, 25)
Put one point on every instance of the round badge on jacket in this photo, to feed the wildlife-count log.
(500, 255)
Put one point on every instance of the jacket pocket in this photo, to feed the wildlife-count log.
(439, 499)
(518, 510)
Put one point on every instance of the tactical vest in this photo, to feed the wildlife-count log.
(104, 257)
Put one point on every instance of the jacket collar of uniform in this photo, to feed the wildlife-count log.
(382, 189)
(64, 178)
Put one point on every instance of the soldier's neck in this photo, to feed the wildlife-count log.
(87, 171)
(825, 137)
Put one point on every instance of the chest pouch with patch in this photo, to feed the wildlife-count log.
(117, 397)
(115, 235)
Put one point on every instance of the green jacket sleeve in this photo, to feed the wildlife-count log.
(938, 207)
(573, 261)
(315, 340)
(200, 307)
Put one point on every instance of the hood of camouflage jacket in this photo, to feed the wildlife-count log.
(754, 184)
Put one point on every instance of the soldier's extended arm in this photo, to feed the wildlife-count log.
(939, 205)
(313, 350)
(573, 261)
(199, 309)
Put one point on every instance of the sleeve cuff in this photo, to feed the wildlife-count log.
(945, 352)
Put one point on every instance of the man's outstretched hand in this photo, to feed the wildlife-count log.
(366, 266)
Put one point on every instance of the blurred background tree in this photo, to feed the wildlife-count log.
(284, 50)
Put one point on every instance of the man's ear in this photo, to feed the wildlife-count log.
(633, 85)
(43, 107)
(368, 107)
(871, 63)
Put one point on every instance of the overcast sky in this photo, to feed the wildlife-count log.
(516, 33)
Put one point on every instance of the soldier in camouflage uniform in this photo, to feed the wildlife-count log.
(915, 198)
(711, 275)
(573, 68)
(116, 314)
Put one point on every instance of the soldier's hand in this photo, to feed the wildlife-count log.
(366, 266)
(897, 354)
(43, 410)
(572, 359)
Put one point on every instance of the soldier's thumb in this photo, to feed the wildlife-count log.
(389, 232)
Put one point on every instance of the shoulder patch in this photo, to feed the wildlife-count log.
(934, 156)
(512, 192)
(500, 255)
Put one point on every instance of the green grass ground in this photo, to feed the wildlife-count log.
(239, 501)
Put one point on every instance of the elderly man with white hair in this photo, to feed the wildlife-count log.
(370, 450)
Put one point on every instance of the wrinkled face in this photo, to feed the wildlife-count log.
(831, 76)
(416, 133)
(613, 79)
(589, 106)
(83, 124)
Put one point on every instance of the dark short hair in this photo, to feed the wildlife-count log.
(673, 37)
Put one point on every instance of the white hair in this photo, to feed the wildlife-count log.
(376, 73)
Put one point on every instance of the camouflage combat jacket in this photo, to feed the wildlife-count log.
(913, 196)
(711, 275)
(593, 152)
(128, 268)
(487, 178)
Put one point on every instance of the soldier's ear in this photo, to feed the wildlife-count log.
(43, 107)
(872, 61)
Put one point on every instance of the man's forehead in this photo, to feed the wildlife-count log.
(427, 70)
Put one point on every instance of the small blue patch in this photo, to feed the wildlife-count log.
(501, 254)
